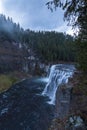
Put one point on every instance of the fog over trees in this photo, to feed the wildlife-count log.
(49, 46)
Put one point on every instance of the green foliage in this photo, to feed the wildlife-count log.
(5, 82)
(75, 10)
(51, 46)
(13, 79)
(82, 55)
(76, 14)
(48, 46)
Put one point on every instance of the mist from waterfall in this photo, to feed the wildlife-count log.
(59, 74)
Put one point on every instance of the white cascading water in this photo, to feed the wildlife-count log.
(59, 74)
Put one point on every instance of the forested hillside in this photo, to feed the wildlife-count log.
(51, 46)
(9, 30)
(48, 46)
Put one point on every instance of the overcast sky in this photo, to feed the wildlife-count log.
(33, 14)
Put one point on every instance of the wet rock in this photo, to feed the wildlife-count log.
(75, 123)
(62, 101)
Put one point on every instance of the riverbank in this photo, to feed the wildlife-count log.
(8, 79)
(71, 114)
(71, 98)
(23, 107)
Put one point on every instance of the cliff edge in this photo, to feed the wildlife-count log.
(71, 105)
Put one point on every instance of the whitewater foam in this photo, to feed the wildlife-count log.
(59, 74)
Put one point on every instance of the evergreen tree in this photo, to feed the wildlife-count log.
(76, 14)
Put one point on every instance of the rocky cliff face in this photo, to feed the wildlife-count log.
(63, 101)
(70, 108)
(12, 56)
(19, 57)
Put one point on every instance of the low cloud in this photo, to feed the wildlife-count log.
(64, 28)
(34, 15)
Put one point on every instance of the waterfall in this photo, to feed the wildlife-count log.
(59, 74)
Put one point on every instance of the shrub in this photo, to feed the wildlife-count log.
(5, 82)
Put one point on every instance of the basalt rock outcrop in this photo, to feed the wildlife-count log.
(12, 57)
(67, 116)
(19, 57)
(16, 57)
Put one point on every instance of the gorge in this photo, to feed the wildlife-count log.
(30, 104)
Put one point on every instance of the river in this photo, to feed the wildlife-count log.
(30, 104)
